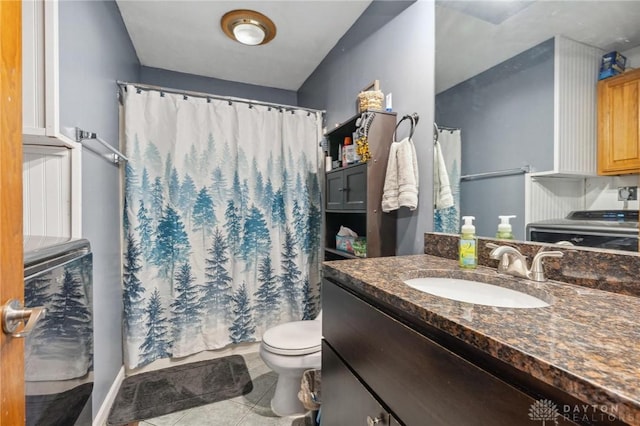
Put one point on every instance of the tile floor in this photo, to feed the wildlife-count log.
(252, 409)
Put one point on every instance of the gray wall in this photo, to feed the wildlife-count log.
(506, 117)
(401, 55)
(196, 83)
(95, 50)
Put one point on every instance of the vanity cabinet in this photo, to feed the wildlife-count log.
(374, 364)
(360, 408)
(618, 124)
(354, 192)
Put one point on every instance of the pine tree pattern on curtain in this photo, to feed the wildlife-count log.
(222, 223)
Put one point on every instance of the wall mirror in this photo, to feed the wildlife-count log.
(518, 79)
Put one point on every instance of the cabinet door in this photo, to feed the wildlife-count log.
(355, 184)
(618, 121)
(335, 191)
(33, 83)
(345, 401)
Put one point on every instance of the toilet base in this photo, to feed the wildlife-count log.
(282, 404)
(290, 369)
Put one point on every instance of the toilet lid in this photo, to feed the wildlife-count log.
(294, 338)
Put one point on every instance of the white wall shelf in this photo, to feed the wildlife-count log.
(50, 157)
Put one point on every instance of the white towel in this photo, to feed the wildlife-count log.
(441, 186)
(401, 180)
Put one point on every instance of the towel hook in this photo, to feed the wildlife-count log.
(414, 117)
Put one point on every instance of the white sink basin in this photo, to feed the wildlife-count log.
(475, 292)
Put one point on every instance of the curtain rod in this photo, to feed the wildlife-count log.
(437, 129)
(211, 96)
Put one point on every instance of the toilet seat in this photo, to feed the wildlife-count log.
(294, 338)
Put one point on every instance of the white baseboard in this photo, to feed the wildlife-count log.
(105, 408)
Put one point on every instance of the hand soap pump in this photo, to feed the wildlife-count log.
(468, 250)
(505, 231)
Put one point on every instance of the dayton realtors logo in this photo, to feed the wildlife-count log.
(545, 411)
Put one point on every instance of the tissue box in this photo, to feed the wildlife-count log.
(353, 245)
(613, 63)
(344, 243)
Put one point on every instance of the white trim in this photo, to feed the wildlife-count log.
(52, 89)
(556, 103)
(103, 413)
(76, 192)
(527, 202)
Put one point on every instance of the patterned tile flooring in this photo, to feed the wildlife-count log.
(252, 409)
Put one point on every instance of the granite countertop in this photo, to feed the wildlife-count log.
(586, 343)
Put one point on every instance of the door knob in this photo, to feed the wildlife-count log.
(13, 313)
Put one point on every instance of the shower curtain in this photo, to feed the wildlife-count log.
(448, 219)
(222, 222)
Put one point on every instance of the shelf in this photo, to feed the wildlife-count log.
(353, 192)
(345, 128)
(349, 166)
(342, 253)
(363, 211)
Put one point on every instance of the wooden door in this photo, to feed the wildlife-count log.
(11, 260)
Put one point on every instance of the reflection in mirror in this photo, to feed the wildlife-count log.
(524, 98)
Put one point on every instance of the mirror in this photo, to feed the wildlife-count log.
(499, 79)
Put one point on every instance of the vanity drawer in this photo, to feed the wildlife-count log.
(358, 407)
(421, 382)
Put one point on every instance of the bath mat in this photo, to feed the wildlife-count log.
(160, 392)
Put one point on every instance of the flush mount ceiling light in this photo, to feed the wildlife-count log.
(248, 27)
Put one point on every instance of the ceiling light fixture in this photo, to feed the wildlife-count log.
(248, 27)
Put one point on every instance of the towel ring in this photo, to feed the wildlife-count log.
(414, 117)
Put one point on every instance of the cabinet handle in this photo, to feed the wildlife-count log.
(372, 421)
(343, 189)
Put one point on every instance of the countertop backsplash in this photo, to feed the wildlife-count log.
(608, 270)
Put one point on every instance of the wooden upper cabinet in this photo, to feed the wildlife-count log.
(618, 124)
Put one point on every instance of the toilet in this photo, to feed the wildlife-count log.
(289, 349)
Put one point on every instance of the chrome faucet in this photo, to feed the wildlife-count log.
(514, 263)
(537, 270)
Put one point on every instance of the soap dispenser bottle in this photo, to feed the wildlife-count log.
(505, 232)
(468, 250)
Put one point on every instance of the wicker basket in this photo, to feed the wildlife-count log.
(371, 99)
